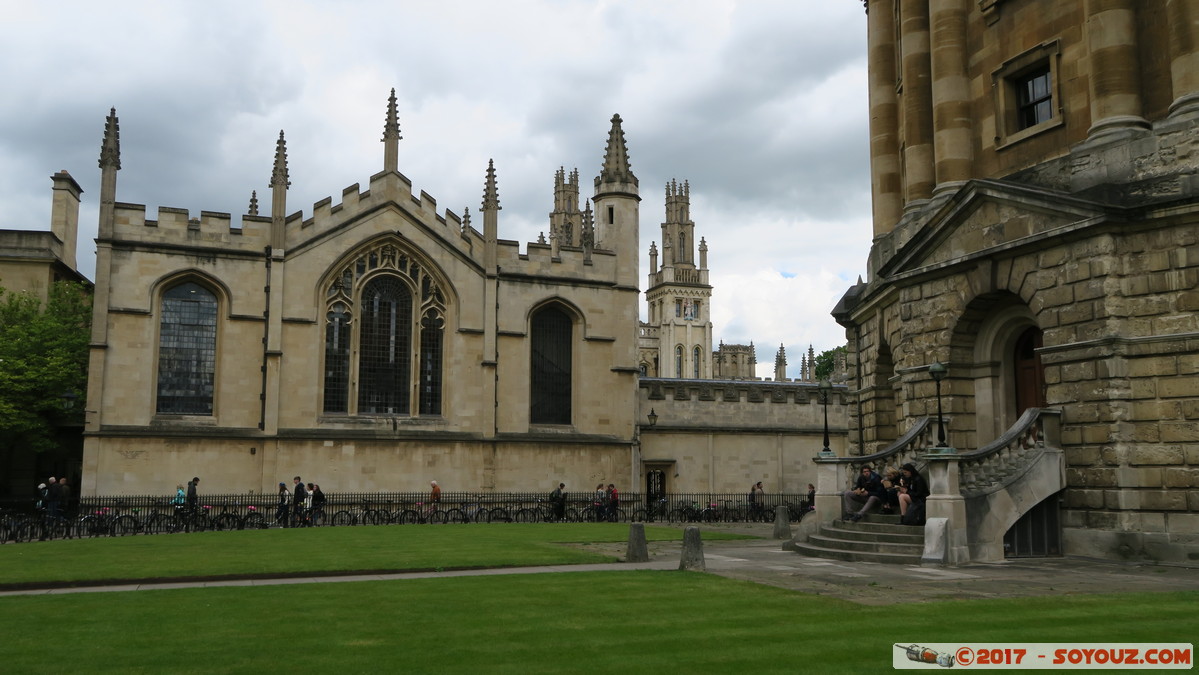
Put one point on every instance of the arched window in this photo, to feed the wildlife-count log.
(386, 347)
(695, 357)
(187, 350)
(385, 320)
(678, 361)
(550, 365)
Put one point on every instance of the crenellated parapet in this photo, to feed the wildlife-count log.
(175, 226)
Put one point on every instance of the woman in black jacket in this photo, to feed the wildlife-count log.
(914, 489)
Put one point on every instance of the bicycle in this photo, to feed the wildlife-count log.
(472, 512)
(654, 512)
(365, 514)
(419, 515)
(107, 521)
(687, 513)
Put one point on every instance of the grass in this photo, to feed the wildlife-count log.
(604, 622)
(320, 550)
(619, 622)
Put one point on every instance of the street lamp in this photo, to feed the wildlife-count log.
(653, 418)
(825, 390)
(938, 370)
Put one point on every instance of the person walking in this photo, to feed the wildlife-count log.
(558, 501)
(193, 496)
(53, 497)
(316, 504)
(757, 499)
(298, 502)
(281, 518)
(599, 502)
(613, 503)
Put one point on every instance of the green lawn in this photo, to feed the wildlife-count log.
(317, 550)
(596, 622)
(617, 622)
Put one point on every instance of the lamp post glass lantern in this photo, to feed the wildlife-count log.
(938, 371)
(653, 417)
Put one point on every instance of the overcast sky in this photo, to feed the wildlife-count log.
(761, 105)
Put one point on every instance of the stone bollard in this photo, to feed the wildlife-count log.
(782, 522)
(638, 550)
(693, 551)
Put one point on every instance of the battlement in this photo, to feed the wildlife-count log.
(756, 404)
(175, 225)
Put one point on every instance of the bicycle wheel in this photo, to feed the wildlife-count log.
(27, 531)
(456, 516)
(525, 516)
(343, 518)
(437, 517)
(125, 525)
(499, 515)
(618, 515)
(254, 521)
(408, 517)
(226, 522)
(371, 517)
(640, 516)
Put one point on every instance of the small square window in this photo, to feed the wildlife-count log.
(1027, 98)
(1034, 100)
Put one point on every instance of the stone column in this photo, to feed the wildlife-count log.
(885, 176)
(917, 103)
(1183, 19)
(1115, 69)
(953, 137)
(945, 501)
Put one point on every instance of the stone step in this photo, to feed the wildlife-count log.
(914, 548)
(858, 556)
(872, 526)
(854, 534)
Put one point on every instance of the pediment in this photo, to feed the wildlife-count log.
(986, 217)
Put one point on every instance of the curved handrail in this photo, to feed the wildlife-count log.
(1000, 462)
(909, 440)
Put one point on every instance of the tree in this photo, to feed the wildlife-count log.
(43, 364)
(826, 362)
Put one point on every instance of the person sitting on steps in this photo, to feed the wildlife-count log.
(867, 491)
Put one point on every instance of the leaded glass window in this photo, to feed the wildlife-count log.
(550, 390)
(385, 347)
(187, 350)
(385, 323)
(695, 367)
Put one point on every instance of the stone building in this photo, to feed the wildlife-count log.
(379, 342)
(1036, 230)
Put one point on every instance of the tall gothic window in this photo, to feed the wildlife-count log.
(385, 347)
(550, 387)
(695, 356)
(187, 350)
(678, 361)
(384, 320)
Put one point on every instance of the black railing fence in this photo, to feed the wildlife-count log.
(150, 514)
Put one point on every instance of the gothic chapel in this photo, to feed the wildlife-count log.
(377, 343)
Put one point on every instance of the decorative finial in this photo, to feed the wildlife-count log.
(391, 127)
(110, 148)
(491, 195)
(279, 176)
(253, 210)
(616, 158)
(465, 219)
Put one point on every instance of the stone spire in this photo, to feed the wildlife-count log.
(491, 195)
(780, 364)
(616, 168)
(391, 136)
(465, 220)
(588, 232)
(491, 219)
(110, 148)
(110, 163)
(253, 210)
(279, 184)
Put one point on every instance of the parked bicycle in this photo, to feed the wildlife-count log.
(421, 514)
(652, 512)
(365, 514)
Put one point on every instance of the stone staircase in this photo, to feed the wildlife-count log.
(875, 538)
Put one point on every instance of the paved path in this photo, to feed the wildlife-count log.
(764, 561)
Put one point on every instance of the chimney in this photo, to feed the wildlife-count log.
(64, 215)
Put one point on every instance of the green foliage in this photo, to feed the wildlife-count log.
(826, 361)
(43, 364)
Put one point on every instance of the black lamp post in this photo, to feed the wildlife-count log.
(825, 390)
(938, 370)
(653, 418)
